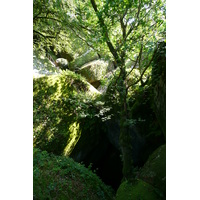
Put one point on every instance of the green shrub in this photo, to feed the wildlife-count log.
(60, 178)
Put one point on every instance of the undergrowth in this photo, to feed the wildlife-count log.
(60, 178)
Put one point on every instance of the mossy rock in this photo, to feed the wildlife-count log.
(159, 85)
(139, 190)
(61, 63)
(94, 71)
(83, 59)
(154, 170)
(55, 98)
(60, 178)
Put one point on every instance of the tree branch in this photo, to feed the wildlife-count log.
(105, 31)
(45, 36)
(123, 25)
(82, 39)
(138, 57)
(144, 69)
(137, 16)
(37, 15)
(48, 18)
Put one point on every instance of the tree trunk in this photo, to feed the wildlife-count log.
(126, 148)
(125, 137)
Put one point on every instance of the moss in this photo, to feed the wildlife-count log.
(139, 190)
(154, 170)
(75, 134)
(55, 100)
(83, 59)
(60, 178)
(94, 70)
(159, 85)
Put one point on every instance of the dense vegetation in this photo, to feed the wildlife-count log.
(105, 106)
(56, 177)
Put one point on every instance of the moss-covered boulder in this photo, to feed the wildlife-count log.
(61, 63)
(60, 178)
(83, 59)
(137, 190)
(57, 102)
(154, 170)
(159, 85)
(94, 71)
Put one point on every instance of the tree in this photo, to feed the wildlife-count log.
(121, 30)
(130, 29)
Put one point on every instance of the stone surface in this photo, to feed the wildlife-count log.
(159, 85)
(61, 63)
(55, 130)
(138, 190)
(94, 71)
(154, 170)
(83, 59)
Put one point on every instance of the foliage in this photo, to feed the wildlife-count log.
(52, 29)
(57, 177)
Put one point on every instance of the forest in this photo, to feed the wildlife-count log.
(99, 99)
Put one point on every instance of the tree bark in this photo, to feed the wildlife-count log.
(125, 137)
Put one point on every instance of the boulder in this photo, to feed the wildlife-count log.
(61, 63)
(159, 85)
(83, 59)
(137, 190)
(55, 127)
(94, 71)
(154, 170)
